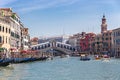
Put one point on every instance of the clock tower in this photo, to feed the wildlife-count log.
(103, 25)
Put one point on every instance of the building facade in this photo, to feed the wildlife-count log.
(34, 41)
(103, 41)
(5, 32)
(25, 39)
(116, 41)
(107, 42)
(74, 40)
(10, 29)
(86, 42)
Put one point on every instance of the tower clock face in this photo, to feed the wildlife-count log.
(103, 21)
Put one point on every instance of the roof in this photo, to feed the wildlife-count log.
(116, 29)
(6, 9)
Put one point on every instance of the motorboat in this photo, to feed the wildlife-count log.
(84, 57)
(106, 58)
(97, 57)
(67, 55)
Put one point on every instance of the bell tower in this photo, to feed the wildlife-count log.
(103, 25)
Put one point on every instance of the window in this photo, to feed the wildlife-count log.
(12, 34)
(97, 38)
(6, 39)
(103, 39)
(9, 40)
(3, 39)
(0, 28)
(106, 34)
(6, 30)
(110, 38)
(3, 28)
(9, 30)
(0, 39)
(110, 33)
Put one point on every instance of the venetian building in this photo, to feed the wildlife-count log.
(106, 38)
(86, 42)
(25, 39)
(103, 41)
(15, 31)
(74, 40)
(116, 41)
(11, 29)
(34, 41)
(97, 45)
(5, 28)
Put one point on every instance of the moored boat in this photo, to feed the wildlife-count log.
(5, 62)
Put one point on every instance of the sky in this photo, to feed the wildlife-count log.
(58, 17)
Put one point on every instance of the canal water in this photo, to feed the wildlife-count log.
(63, 69)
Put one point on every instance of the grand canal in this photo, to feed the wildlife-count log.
(63, 69)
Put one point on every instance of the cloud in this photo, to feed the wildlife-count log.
(28, 6)
(5, 2)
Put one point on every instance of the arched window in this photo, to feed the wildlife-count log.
(32, 48)
(35, 48)
(3, 39)
(0, 28)
(6, 30)
(58, 45)
(9, 30)
(3, 28)
(6, 39)
(0, 39)
(39, 47)
(48, 45)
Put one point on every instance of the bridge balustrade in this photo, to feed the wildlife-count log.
(54, 45)
(48, 45)
(39, 47)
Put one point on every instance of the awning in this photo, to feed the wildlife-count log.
(23, 51)
(12, 49)
(1, 49)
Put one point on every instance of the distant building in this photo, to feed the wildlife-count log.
(34, 41)
(116, 41)
(74, 40)
(86, 42)
(43, 40)
(103, 42)
(107, 42)
(97, 45)
(25, 45)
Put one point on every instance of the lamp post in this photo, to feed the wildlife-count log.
(52, 52)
